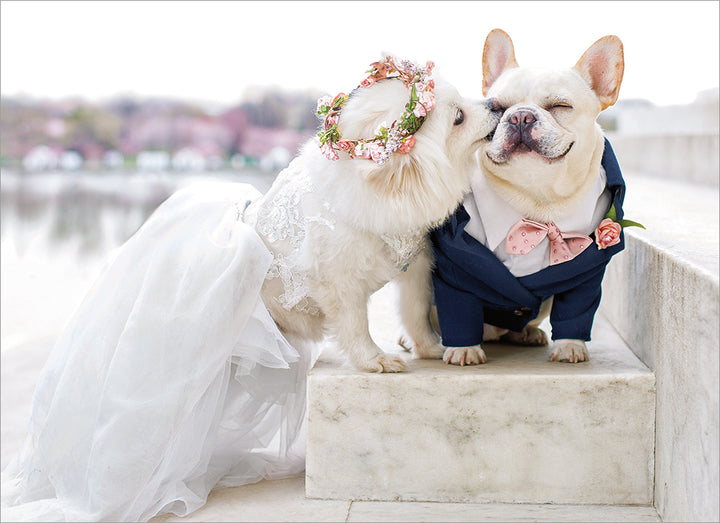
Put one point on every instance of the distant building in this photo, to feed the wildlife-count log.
(698, 118)
(188, 159)
(277, 158)
(71, 161)
(673, 141)
(153, 161)
(113, 159)
(214, 162)
(239, 161)
(41, 158)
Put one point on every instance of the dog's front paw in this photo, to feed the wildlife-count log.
(530, 337)
(384, 363)
(572, 351)
(464, 355)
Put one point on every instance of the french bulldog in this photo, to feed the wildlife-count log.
(550, 170)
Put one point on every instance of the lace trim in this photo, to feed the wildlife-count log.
(295, 284)
(282, 219)
(405, 248)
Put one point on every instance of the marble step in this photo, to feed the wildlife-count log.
(518, 429)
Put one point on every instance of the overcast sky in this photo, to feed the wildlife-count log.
(212, 51)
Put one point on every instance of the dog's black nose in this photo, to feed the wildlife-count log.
(522, 118)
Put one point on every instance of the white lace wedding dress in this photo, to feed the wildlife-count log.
(171, 378)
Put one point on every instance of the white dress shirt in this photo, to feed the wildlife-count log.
(491, 218)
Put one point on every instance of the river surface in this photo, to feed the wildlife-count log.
(58, 230)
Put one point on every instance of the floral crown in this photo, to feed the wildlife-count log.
(399, 135)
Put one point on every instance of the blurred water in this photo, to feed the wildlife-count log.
(94, 211)
(57, 230)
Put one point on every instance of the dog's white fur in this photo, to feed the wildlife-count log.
(356, 205)
(552, 177)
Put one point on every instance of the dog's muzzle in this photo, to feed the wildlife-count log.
(520, 129)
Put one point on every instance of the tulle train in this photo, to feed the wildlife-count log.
(170, 379)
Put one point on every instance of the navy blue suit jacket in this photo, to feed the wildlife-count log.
(473, 287)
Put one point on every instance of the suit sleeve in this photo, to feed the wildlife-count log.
(573, 311)
(460, 314)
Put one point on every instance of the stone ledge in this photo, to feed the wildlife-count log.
(518, 429)
(284, 500)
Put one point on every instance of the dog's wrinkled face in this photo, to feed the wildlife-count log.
(543, 116)
(547, 146)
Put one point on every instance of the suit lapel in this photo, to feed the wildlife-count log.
(475, 264)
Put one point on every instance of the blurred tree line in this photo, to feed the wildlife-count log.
(131, 125)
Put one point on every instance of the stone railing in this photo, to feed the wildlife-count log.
(686, 157)
(662, 296)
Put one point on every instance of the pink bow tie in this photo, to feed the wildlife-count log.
(525, 235)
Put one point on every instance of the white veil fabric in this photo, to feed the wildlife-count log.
(171, 378)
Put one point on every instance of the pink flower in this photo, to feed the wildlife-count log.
(419, 110)
(381, 68)
(329, 152)
(427, 98)
(407, 145)
(607, 234)
(367, 82)
(345, 145)
(325, 101)
(361, 151)
(376, 151)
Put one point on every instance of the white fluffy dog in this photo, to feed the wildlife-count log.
(339, 229)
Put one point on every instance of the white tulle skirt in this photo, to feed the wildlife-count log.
(170, 379)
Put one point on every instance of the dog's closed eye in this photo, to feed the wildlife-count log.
(557, 103)
(459, 117)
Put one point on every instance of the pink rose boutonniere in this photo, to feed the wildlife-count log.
(607, 233)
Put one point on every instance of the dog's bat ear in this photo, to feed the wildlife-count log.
(602, 67)
(498, 55)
